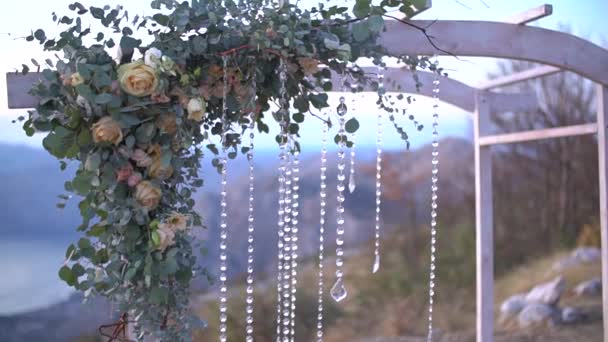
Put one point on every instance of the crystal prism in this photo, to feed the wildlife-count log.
(338, 291)
(376, 266)
(351, 183)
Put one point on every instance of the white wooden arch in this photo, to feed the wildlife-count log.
(557, 51)
(513, 40)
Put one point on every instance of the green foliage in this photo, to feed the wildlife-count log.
(134, 128)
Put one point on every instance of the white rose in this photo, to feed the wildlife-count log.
(196, 109)
(152, 57)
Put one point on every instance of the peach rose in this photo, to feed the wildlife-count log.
(107, 130)
(159, 171)
(167, 123)
(147, 195)
(175, 222)
(166, 238)
(309, 65)
(137, 79)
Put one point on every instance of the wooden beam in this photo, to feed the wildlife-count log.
(602, 147)
(17, 88)
(531, 15)
(484, 223)
(397, 80)
(452, 91)
(525, 75)
(539, 134)
(500, 40)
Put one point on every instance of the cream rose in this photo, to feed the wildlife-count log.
(176, 222)
(196, 109)
(152, 57)
(107, 130)
(137, 79)
(76, 79)
(166, 237)
(147, 195)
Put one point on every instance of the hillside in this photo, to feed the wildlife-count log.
(391, 305)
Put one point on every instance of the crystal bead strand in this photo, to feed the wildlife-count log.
(281, 206)
(250, 231)
(379, 133)
(287, 253)
(224, 215)
(323, 202)
(338, 291)
(351, 178)
(295, 209)
(287, 222)
(434, 188)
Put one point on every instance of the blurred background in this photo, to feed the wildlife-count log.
(545, 194)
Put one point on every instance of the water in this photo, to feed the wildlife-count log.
(28, 275)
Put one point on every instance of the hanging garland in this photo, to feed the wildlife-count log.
(139, 127)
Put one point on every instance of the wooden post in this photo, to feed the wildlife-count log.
(484, 222)
(602, 148)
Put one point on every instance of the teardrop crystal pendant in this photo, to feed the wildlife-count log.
(434, 189)
(351, 177)
(338, 291)
(379, 132)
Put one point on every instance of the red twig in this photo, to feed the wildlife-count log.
(120, 328)
(238, 48)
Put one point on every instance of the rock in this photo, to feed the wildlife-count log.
(547, 293)
(578, 256)
(571, 315)
(591, 287)
(513, 305)
(587, 254)
(536, 314)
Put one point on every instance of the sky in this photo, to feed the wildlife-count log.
(585, 18)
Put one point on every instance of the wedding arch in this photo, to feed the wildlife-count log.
(556, 51)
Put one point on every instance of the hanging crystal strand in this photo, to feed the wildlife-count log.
(379, 133)
(285, 282)
(295, 210)
(250, 230)
(338, 291)
(281, 210)
(323, 202)
(434, 188)
(281, 223)
(287, 252)
(351, 178)
(224, 215)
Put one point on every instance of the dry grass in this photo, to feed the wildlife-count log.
(393, 302)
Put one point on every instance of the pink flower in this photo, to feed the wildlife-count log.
(160, 98)
(141, 158)
(124, 172)
(115, 87)
(134, 179)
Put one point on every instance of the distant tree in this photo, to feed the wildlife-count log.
(545, 191)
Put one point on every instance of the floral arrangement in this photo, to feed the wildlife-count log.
(138, 127)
